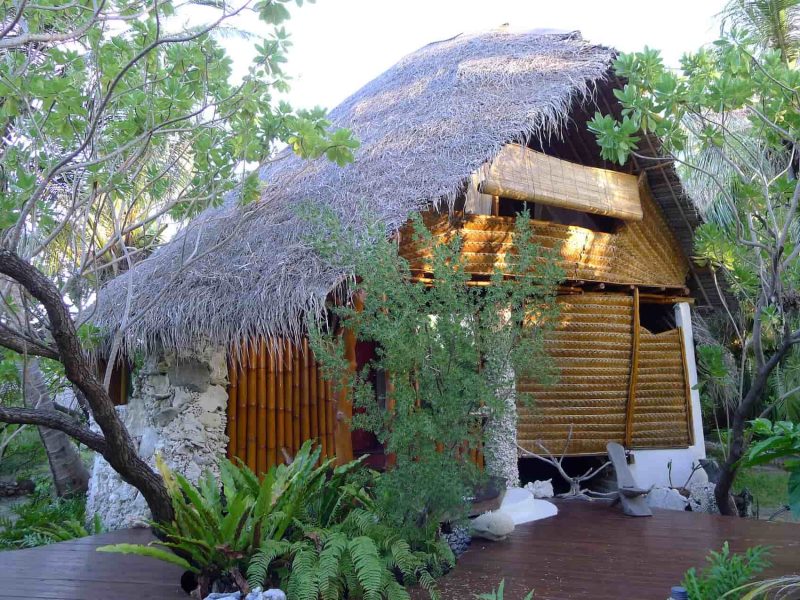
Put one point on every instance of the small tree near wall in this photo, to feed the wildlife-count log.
(447, 347)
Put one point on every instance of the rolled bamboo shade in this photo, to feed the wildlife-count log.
(519, 173)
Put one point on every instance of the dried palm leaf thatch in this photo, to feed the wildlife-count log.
(237, 272)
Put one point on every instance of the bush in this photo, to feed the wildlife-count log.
(451, 350)
(43, 520)
(725, 573)
(312, 530)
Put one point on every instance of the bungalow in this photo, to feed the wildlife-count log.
(465, 131)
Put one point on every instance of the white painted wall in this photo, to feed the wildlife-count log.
(649, 467)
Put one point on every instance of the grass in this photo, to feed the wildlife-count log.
(768, 485)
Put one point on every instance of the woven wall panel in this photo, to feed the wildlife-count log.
(661, 418)
(641, 253)
(592, 349)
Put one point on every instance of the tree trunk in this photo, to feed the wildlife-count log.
(70, 475)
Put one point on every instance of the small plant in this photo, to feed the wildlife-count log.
(498, 593)
(726, 572)
(43, 520)
(778, 440)
(311, 530)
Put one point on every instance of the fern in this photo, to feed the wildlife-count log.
(726, 571)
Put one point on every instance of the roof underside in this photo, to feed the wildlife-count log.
(424, 126)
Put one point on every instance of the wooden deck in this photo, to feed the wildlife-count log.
(587, 551)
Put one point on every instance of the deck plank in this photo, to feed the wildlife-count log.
(589, 550)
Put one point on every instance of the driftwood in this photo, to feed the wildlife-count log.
(576, 490)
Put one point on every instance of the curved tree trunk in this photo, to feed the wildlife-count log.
(70, 475)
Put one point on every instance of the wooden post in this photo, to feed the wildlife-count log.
(305, 395)
(272, 415)
(241, 406)
(261, 433)
(252, 405)
(232, 399)
(288, 440)
(296, 408)
(280, 440)
(330, 418)
(323, 413)
(630, 410)
(313, 393)
(391, 406)
(687, 390)
(344, 406)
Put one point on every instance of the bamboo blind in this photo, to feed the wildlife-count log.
(520, 173)
(641, 253)
(595, 349)
(277, 399)
(661, 417)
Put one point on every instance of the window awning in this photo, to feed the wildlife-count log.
(523, 174)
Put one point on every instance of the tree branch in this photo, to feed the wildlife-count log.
(54, 420)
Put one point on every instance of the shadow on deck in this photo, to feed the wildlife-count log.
(588, 551)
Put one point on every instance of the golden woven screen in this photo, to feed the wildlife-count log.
(592, 349)
(520, 173)
(640, 253)
(661, 415)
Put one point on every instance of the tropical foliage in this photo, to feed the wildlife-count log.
(118, 121)
(497, 594)
(449, 350)
(779, 440)
(307, 527)
(731, 118)
(726, 571)
(43, 520)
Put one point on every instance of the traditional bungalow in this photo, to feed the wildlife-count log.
(464, 130)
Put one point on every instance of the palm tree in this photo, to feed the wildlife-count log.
(771, 24)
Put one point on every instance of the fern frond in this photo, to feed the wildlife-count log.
(367, 565)
(150, 551)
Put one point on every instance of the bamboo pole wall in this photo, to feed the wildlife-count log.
(278, 399)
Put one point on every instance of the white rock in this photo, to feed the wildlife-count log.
(147, 445)
(495, 526)
(215, 398)
(668, 498)
(541, 489)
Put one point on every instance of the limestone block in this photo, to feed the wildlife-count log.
(148, 443)
(493, 526)
(190, 373)
(215, 398)
(701, 498)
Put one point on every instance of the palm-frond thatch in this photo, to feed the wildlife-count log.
(424, 126)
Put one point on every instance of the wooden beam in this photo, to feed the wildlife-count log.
(252, 406)
(232, 400)
(631, 407)
(261, 393)
(343, 436)
(687, 390)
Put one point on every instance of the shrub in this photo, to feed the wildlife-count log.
(726, 571)
(309, 529)
(449, 347)
(43, 520)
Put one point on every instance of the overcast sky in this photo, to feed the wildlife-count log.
(339, 45)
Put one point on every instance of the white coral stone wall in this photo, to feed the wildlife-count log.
(178, 410)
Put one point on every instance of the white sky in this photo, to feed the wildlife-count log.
(339, 45)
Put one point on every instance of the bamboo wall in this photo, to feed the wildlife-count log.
(618, 382)
(277, 399)
(640, 253)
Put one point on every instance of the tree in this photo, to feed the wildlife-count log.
(117, 116)
(731, 118)
(450, 351)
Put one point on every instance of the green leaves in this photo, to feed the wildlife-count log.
(616, 139)
(726, 571)
(151, 551)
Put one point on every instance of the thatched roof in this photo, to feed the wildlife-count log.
(424, 125)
